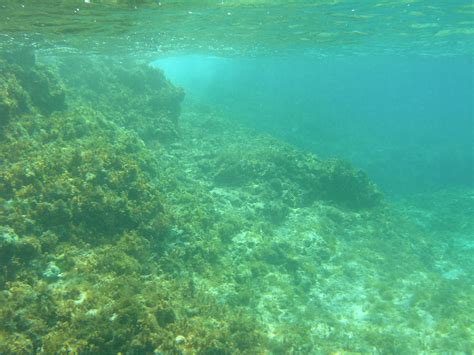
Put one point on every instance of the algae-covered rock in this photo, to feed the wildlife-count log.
(24, 56)
(88, 259)
(296, 177)
(16, 253)
(27, 87)
(342, 183)
(227, 242)
(44, 88)
(137, 97)
(78, 184)
(13, 97)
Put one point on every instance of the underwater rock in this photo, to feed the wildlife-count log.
(180, 340)
(86, 202)
(296, 178)
(52, 272)
(342, 183)
(44, 88)
(23, 56)
(15, 253)
(13, 97)
(9, 241)
(135, 96)
(165, 316)
(79, 183)
(229, 242)
(27, 87)
(12, 246)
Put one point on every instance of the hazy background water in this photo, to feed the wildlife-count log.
(406, 120)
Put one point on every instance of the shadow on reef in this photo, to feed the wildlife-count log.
(103, 240)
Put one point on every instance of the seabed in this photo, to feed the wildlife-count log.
(132, 225)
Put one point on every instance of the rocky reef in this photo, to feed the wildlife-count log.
(85, 218)
(127, 228)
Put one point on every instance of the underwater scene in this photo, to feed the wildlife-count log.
(236, 177)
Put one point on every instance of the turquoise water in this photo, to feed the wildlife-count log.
(236, 177)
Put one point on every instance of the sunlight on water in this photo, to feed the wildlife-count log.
(243, 27)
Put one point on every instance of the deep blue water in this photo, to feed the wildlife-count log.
(406, 120)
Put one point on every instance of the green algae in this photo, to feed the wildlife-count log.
(324, 278)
